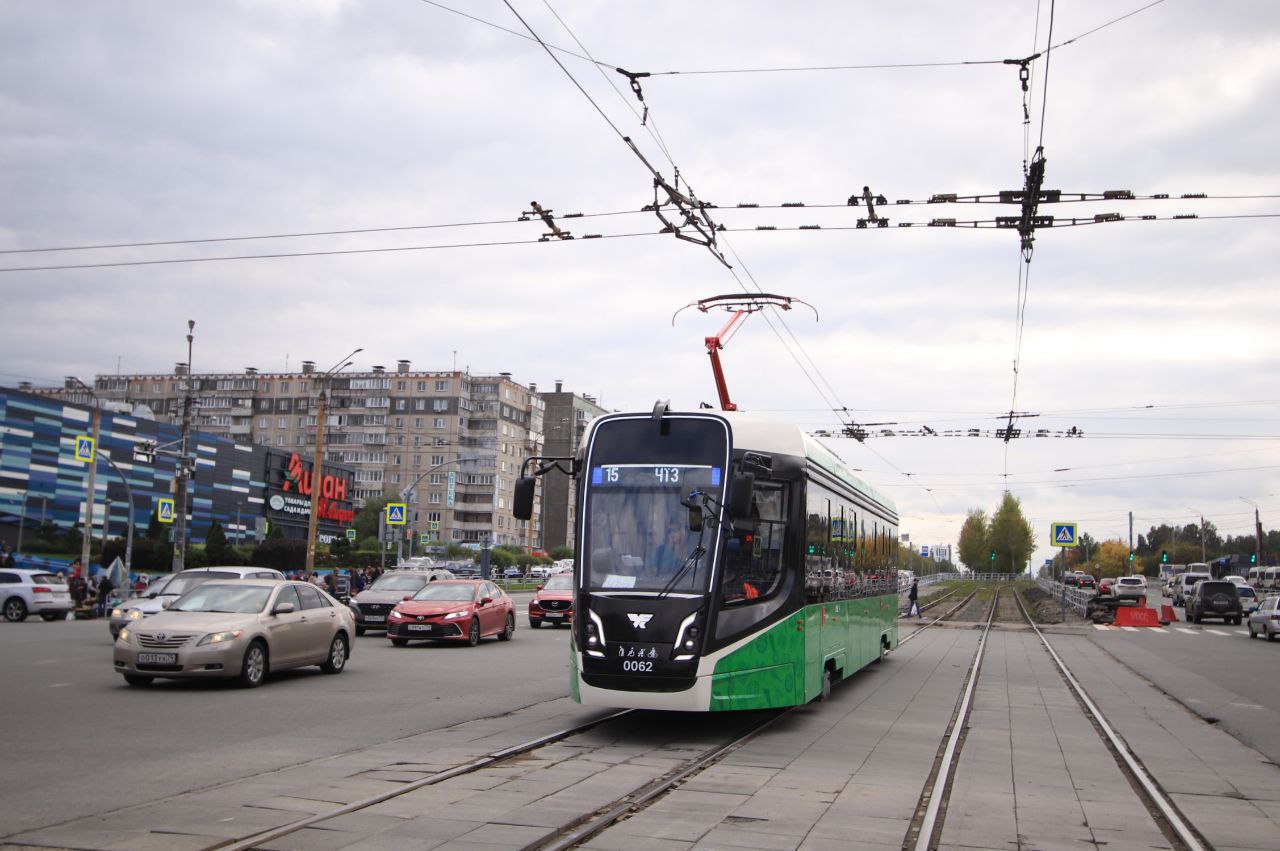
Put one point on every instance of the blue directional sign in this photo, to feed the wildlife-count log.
(164, 509)
(1062, 535)
(84, 448)
(396, 513)
(924, 550)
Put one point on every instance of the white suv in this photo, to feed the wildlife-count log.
(1132, 587)
(26, 592)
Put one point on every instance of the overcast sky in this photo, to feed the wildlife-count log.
(153, 121)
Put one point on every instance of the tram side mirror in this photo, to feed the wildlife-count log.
(522, 500)
(739, 500)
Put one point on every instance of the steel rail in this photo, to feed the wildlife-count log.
(924, 839)
(485, 761)
(1184, 832)
(948, 613)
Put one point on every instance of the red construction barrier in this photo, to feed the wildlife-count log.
(1167, 615)
(1136, 616)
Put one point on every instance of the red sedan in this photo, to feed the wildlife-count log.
(554, 601)
(453, 610)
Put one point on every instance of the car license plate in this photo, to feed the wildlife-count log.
(553, 615)
(375, 618)
(420, 627)
(157, 658)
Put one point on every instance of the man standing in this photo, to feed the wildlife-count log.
(913, 595)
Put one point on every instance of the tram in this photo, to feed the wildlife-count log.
(723, 562)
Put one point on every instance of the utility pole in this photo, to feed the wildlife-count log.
(184, 464)
(1257, 527)
(1130, 531)
(22, 521)
(91, 497)
(317, 463)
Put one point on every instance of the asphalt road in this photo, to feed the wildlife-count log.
(75, 740)
(1214, 669)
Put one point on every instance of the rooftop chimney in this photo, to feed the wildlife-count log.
(505, 374)
(308, 367)
(559, 385)
(179, 369)
(24, 385)
(533, 387)
(402, 366)
(250, 370)
(379, 370)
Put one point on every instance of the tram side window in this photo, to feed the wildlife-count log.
(753, 552)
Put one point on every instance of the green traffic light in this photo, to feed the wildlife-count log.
(1164, 556)
(1130, 556)
(1253, 559)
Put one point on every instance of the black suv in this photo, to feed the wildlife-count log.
(1214, 599)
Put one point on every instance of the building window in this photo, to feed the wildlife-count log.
(437, 460)
(399, 422)
(435, 498)
(302, 440)
(263, 422)
(395, 478)
(302, 387)
(400, 403)
(422, 386)
(437, 478)
(419, 404)
(442, 387)
(279, 440)
(440, 405)
(434, 517)
(417, 422)
(284, 387)
(283, 422)
(438, 422)
(400, 385)
(417, 460)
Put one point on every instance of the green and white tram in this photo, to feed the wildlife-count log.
(723, 562)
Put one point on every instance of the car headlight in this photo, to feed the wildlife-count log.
(455, 615)
(220, 637)
(124, 634)
(133, 614)
(395, 615)
(115, 613)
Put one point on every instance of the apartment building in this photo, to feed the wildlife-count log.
(450, 442)
(565, 418)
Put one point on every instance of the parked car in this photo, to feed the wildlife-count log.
(1086, 581)
(513, 572)
(370, 606)
(33, 592)
(1106, 586)
(1187, 581)
(554, 601)
(1173, 582)
(1071, 578)
(167, 589)
(1266, 620)
(241, 630)
(1248, 599)
(540, 571)
(1214, 598)
(453, 610)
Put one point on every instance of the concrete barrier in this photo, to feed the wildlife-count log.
(1136, 616)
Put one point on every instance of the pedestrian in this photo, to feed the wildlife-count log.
(913, 595)
(105, 587)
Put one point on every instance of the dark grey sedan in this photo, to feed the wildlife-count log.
(371, 606)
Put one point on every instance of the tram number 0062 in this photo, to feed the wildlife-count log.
(637, 666)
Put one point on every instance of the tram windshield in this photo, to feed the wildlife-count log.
(639, 537)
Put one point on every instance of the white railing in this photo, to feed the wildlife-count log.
(1078, 599)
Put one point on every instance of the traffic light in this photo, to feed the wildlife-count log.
(993, 555)
(1164, 556)
(1130, 556)
(1253, 558)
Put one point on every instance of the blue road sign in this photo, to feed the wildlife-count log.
(84, 448)
(396, 513)
(164, 509)
(1063, 534)
(352, 534)
(924, 550)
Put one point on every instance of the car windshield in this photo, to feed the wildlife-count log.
(1130, 580)
(1246, 591)
(156, 586)
(184, 582)
(560, 582)
(450, 593)
(1207, 588)
(399, 583)
(216, 597)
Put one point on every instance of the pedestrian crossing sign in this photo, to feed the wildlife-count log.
(352, 535)
(1063, 534)
(396, 512)
(164, 509)
(424, 538)
(84, 448)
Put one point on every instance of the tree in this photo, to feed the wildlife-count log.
(1010, 536)
(157, 531)
(283, 555)
(557, 553)
(1112, 558)
(367, 518)
(216, 547)
(974, 553)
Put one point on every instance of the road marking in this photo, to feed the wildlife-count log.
(59, 685)
(1187, 631)
(1217, 632)
(1130, 629)
(1242, 632)
(1157, 632)
(1100, 626)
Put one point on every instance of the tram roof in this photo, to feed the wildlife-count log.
(766, 435)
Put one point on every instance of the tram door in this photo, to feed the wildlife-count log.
(817, 564)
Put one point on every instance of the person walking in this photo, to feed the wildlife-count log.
(913, 595)
(105, 587)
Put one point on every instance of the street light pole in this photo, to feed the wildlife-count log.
(317, 471)
(86, 539)
(1203, 552)
(128, 546)
(184, 465)
(22, 521)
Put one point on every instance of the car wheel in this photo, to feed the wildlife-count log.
(337, 659)
(50, 616)
(15, 610)
(510, 629)
(359, 630)
(399, 642)
(536, 624)
(253, 668)
(473, 637)
(138, 679)
(1271, 636)
(1252, 634)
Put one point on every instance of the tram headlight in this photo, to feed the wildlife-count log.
(593, 636)
(691, 637)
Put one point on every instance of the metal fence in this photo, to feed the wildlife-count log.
(1075, 598)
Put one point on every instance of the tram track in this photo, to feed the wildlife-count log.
(925, 832)
(576, 830)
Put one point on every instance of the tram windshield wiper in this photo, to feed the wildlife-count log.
(691, 561)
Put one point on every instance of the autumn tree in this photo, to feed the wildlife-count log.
(1112, 558)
